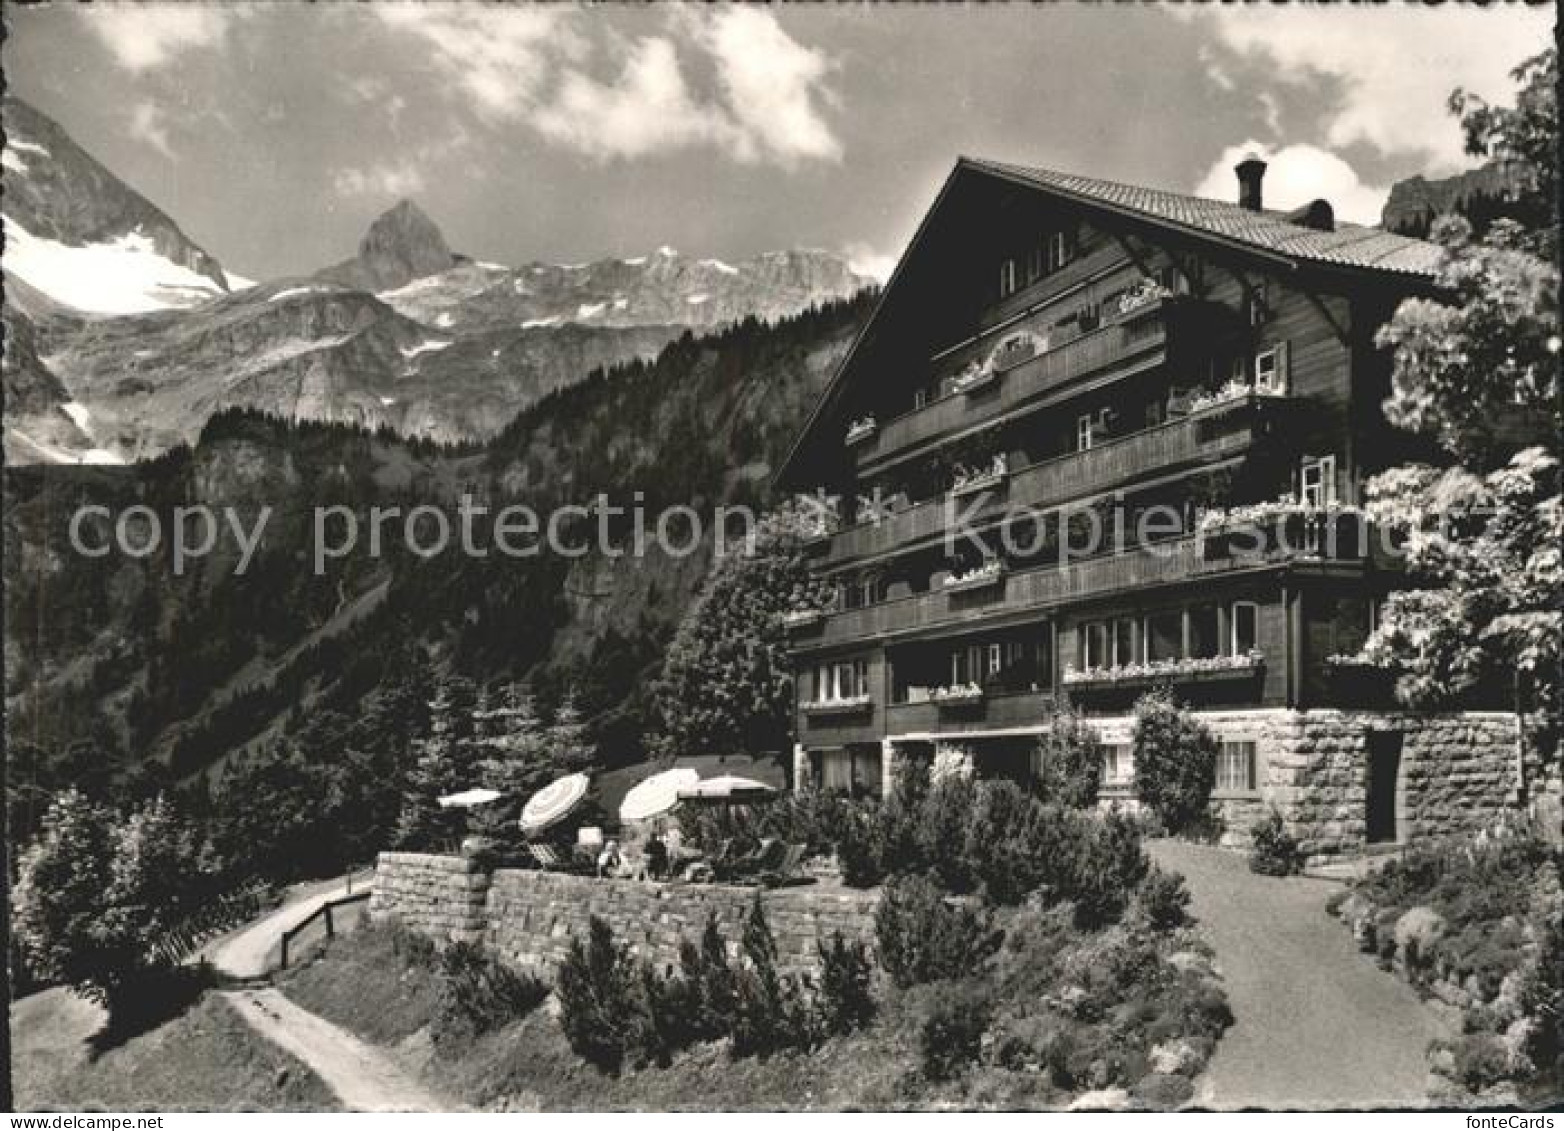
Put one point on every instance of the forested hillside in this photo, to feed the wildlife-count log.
(120, 670)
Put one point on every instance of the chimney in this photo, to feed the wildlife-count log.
(1251, 171)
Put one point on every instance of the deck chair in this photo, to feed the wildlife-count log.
(786, 871)
(546, 857)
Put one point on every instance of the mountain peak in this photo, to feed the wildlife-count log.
(402, 244)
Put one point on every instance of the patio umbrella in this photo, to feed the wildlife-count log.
(468, 798)
(727, 787)
(554, 802)
(657, 794)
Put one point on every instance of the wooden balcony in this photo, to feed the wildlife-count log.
(997, 710)
(1219, 433)
(1137, 341)
(1049, 586)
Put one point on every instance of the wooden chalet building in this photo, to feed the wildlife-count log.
(1097, 438)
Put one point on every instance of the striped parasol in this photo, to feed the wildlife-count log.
(657, 794)
(554, 802)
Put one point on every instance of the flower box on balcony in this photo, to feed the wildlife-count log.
(989, 476)
(989, 573)
(860, 430)
(1188, 670)
(975, 380)
(848, 706)
(1015, 350)
(1142, 298)
(1269, 513)
(799, 619)
(959, 695)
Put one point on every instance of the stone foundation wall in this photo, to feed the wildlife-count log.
(1458, 772)
(530, 916)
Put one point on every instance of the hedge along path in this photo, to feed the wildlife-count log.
(1316, 1024)
(361, 1077)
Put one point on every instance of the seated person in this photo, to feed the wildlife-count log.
(609, 861)
(656, 857)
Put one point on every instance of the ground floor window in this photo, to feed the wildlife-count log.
(1118, 764)
(1235, 767)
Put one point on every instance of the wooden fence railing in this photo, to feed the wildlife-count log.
(212, 920)
(324, 911)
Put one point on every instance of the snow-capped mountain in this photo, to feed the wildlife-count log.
(662, 288)
(133, 336)
(80, 236)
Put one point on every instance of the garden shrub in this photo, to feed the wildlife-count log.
(1175, 761)
(1069, 761)
(1107, 866)
(475, 992)
(1161, 902)
(773, 1013)
(709, 986)
(950, 1037)
(600, 997)
(845, 1000)
(945, 818)
(1275, 851)
(922, 936)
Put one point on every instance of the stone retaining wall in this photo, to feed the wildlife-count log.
(530, 916)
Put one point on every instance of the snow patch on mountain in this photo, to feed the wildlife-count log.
(124, 275)
(425, 346)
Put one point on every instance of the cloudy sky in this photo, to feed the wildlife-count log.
(274, 133)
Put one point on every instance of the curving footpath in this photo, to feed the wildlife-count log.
(361, 1076)
(1316, 1023)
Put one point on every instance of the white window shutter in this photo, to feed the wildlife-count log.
(1283, 373)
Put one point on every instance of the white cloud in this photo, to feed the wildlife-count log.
(143, 37)
(771, 84)
(1295, 175)
(383, 179)
(500, 57)
(627, 97)
(150, 124)
(1396, 67)
(647, 109)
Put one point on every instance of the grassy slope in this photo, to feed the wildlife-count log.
(206, 1059)
(362, 984)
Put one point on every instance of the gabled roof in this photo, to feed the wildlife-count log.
(1348, 249)
(1349, 245)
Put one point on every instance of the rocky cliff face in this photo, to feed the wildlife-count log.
(83, 237)
(1415, 202)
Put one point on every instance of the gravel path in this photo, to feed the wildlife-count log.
(1316, 1023)
(255, 950)
(360, 1076)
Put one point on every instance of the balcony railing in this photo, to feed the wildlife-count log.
(993, 710)
(1052, 585)
(1119, 341)
(1196, 439)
